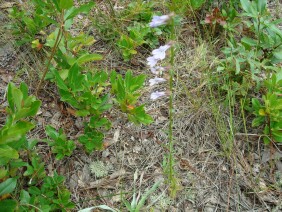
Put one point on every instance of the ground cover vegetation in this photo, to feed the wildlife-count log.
(141, 105)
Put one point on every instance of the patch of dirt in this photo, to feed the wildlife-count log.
(209, 179)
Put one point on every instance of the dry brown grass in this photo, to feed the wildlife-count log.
(209, 178)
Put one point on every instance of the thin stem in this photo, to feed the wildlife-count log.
(271, 148)
(58, 39)
(26, 204)
(171, 174)
(258, 43)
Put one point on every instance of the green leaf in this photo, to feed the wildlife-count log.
(68, 97)
(24, 197)
(52, 132)
(277, 135)
(113, 81)
(96, 122)
(71, 13)
(65, 4)
(8, 205)
(29, 171)
(258, 121)
(249, 41)
(64, 74)
(256, 104)
(238, 68)
(128, 80)
(262, 6)
(82, 113)
(266, 140)
(15, 132)
(18, 98)
(246, 5)
(147, 194)
(28, 111)
(60, 82)
(68, 24)
(3, 172)
(196, 4)
(278, 54)
(8, 152)
(31, 144)
(137, 82)
(24, 90)
(88, 57)
(8, 186)
(120, 89)
(34, 190)
(139, 116)
(56, 3)
(75, 78)
(92, 140)
(17, 163)
(10, 98)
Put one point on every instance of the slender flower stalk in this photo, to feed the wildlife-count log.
(158, 55)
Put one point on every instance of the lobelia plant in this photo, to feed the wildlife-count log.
(152, 61)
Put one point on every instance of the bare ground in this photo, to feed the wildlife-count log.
(210, 179)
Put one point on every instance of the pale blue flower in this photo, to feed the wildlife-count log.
(156, 80)
(159, 20)
(159, 53)
(152, 61)
(157, 94)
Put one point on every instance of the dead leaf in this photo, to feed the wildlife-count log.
(109, 142)
(71, 111)
(118, 173)
(103, 183)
